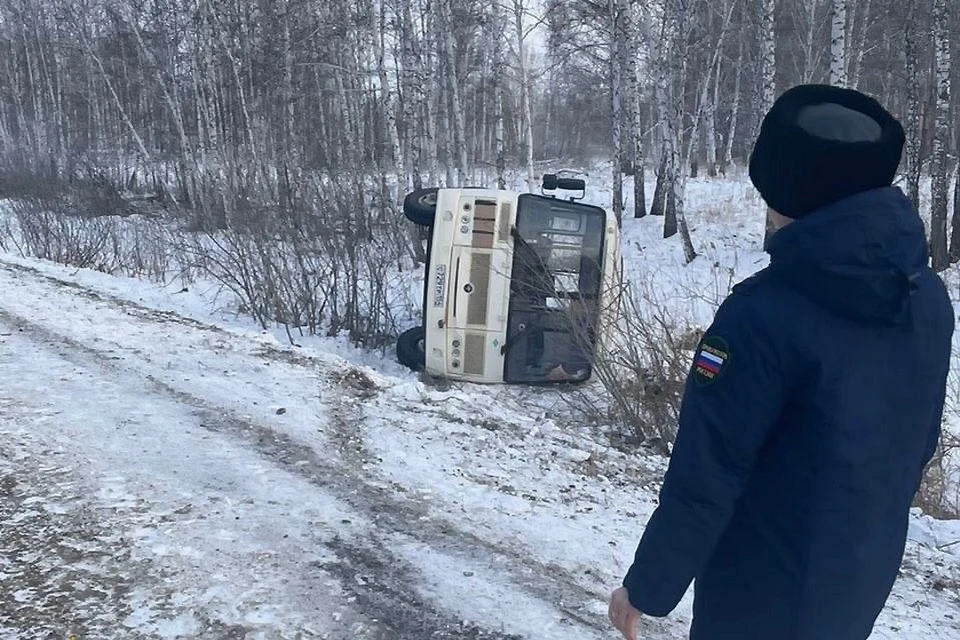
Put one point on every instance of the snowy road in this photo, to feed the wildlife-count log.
(161, 477)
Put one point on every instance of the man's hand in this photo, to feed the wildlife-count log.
(622, 614)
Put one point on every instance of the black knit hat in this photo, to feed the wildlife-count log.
(819, 144)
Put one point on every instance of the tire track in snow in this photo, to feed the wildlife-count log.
(389, 509)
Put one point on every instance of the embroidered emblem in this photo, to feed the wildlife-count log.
(711, 359)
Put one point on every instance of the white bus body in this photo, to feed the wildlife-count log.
(506, 273)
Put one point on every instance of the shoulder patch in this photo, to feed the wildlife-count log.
(711, 360)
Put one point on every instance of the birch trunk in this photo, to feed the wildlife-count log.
(412, 93)
(526, 107)
(912, 124)
(708, 100)
(838, 43)
(710, 126)
(388, 103)
(432, 108)
(636, 90)
(455, 104)
(810, 46)
(941, 140)
(448, 127)
(856, 64)
(617, 47)
(499, 68)
(768, 78)
(681, 36)
(501, 157)
(734, 112)
(768, 59)
(661, 202)
(289, 128)
(116, 99)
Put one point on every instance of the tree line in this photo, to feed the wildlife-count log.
(221, 107)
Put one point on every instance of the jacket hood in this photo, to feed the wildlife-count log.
(859, 257)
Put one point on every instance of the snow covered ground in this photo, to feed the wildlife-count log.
(169, 471)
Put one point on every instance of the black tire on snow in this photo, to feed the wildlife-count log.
(420, 206)
(410, 349)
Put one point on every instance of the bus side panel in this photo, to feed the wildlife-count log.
(438, 282)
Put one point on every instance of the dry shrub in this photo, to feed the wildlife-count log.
(643, 365)
(315, 264)
(314, 253)
(49, 229)
(939, 493)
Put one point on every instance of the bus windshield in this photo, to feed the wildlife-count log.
(554, 290)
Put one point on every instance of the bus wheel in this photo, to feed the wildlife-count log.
(420, 207)
(411, 352)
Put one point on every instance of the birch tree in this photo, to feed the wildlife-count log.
(619, 70)
(941, 139)
(412, 94)
(912, 120)
(863, 22)
(454, 104)
(526, 108)
(636, 79)
(678, 23)
(768, 71)
(734, 110)
(838, 43)
(663, 202)
(499, 76)
(390, 107)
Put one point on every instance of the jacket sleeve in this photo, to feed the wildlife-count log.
(732, 399)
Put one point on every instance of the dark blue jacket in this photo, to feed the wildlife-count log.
(813, 404)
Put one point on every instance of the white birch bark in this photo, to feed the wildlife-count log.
(412, 83)
(128, 123)
(734, 111)
(617, 66)
(390, 106)
(811, 47)
(526, 107)
(636, 91)
(838, 43)
(499, 77)
(708, 100)
(912, 124)
(455, 104)
(768, 56)
(768, 78)
(661, 56)
(288, 60)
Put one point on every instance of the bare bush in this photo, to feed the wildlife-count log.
(314, 261)
(51, 229)
(939, 493)
(51, 235)
(648, 331)
(644, 364)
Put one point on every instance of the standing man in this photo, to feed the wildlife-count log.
(814, 401)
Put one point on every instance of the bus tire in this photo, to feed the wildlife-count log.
(420, 206)
(410, 349)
